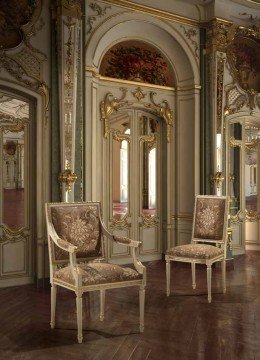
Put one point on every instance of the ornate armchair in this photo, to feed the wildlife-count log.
(78, 258)
(208, 243)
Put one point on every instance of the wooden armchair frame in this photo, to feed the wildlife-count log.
(78, 286)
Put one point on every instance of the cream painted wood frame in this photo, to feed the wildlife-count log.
(78, 288)
(208, 262)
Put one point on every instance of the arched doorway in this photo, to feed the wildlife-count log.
(181, 159)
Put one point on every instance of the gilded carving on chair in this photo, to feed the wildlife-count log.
(79, 227)
(97, 273)
(209, 219)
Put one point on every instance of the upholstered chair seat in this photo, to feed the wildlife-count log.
(97, 273)
(195, 251)
(208, 240)
(78, 257)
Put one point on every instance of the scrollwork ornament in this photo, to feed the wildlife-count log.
(118, 136)
(13, 235)
(149, 220)
(109, 106)
(11, 123)
(190, 34)
(234, 143)
(252, 216)
(139, 94)
(99, 13)
(163, 110)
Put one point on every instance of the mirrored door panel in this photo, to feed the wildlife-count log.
(16, 189)
(134, 181)
(120, 134)
(252, 188)
(149, 134)
(13, 179)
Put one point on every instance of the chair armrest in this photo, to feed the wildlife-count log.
(126, 241)
(61, 243)
(119, 239)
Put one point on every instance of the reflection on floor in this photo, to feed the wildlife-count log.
(120, 209)
(14, 208)
(183, 326)
(251, 203)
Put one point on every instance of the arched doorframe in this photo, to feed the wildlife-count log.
(185, 145)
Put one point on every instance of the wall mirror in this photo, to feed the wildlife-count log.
(252, 189)
(120, 133)
(14, 129)
(234, 161)
(149, 137)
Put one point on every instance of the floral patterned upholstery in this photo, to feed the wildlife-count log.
(209, 219)
(79, 226)
(197, 251)
(97, 273)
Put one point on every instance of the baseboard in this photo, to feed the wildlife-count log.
(16, 281)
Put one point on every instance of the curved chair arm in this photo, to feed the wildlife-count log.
(61, 243)
(119, 239)
(126, 241)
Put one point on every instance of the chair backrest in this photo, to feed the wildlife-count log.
(210, 219)
(79, 224)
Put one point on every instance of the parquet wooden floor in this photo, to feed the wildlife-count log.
(182, 326)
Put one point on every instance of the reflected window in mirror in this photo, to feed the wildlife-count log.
(13, 179)
(252, 145)
(120, 133)
(149, 131)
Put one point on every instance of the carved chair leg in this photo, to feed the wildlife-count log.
(79, 316)
(223, 266)
(141, 304)
(193, 273)
(168, 277)
(102, 304)
(209, 282)
(53, 304)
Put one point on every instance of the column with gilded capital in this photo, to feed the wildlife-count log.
(69, 28)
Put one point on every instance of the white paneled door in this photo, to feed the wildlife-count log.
(133, 183)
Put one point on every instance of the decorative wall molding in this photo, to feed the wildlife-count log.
(68, 28)
(100, 12)
(220, 90)
(217, 32)
(192, 33)
(111, 104)
(153, 12)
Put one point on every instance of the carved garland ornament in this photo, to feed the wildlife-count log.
(99, 13)
(111, 104)
(220, 78)
(190, 34)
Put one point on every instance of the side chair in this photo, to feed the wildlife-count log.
(208, 242)
(78, 257)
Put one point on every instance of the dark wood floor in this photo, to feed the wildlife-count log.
(182, 326)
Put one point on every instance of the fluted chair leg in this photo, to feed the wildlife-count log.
(168, 277)
(102, 304)
(193, 272)
(209, 282)
(223, 266)
(141, 304)
(79, 316)
(53, 304)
